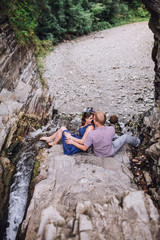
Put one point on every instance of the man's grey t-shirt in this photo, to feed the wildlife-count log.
(101, 138)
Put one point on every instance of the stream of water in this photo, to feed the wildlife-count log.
(19, 189)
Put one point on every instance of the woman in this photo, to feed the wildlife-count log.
(63, 133)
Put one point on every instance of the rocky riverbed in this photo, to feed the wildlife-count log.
(111, 70)
(82, 196)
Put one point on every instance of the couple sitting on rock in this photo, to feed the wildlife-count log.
(92, 132)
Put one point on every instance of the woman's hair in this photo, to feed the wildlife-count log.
(84, 116)
(100, 117)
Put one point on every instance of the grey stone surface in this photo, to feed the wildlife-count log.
(6, 95)
(8, 119)
(22, 92)
(87, 197)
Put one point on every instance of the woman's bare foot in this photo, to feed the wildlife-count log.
(47, 139)
(51, 143)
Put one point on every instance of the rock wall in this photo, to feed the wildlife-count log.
(152, 125)
(151, 120)
(20, 86)
(154, 7)
(17, 63)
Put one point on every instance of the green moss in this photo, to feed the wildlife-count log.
(35, 173)
(13, 143)
(5, 182)
(23, 17)
(43, 48)
(36, 169)
(27, 123)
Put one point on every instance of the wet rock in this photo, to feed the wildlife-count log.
(154, 151)
(148, 178)
(5, 161)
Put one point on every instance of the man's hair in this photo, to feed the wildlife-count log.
(100, 117)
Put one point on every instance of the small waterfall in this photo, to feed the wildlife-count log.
(19, 190)
(21, 180)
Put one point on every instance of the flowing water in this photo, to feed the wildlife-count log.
(21, 180)
(19, 190)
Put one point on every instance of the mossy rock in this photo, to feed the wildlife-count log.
(6, 175)
(27, 123)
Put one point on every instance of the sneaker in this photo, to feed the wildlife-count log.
(141, 137)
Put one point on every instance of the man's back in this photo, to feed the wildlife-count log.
(101, 138)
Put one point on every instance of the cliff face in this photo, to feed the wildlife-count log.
(152, 118)
(154, 7)
(17, 63)
(20, 86)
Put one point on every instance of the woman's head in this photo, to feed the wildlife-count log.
(87, 116)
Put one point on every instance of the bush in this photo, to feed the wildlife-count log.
(80, 21)
(23, 18)
(55, 20)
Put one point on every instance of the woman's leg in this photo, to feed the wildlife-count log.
(52, 137)
(58, 136)
(47, 139)
(118, 143)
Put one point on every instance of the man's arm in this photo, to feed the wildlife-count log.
(78, 145)
(81, 141)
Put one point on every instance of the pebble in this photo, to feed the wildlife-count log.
(82, 72)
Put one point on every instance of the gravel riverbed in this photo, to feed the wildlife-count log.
(110, 70)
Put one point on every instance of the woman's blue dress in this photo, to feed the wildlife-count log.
(70, 149)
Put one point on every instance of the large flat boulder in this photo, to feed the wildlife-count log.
(87, 197)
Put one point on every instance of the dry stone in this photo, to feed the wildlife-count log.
(22, 92)
(92, 71)
(88, 197)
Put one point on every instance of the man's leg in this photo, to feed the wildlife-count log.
(115, 137)
(118, 143)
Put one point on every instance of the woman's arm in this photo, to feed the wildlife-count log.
(81, 141)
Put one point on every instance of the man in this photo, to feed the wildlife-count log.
(102, 138)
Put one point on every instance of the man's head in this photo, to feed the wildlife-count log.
(100, 118)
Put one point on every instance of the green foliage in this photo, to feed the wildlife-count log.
(55, 20)
(50, 26)
(97, 8)
(79, 22)
(43, 48)
(141, 12)
(23, 18)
